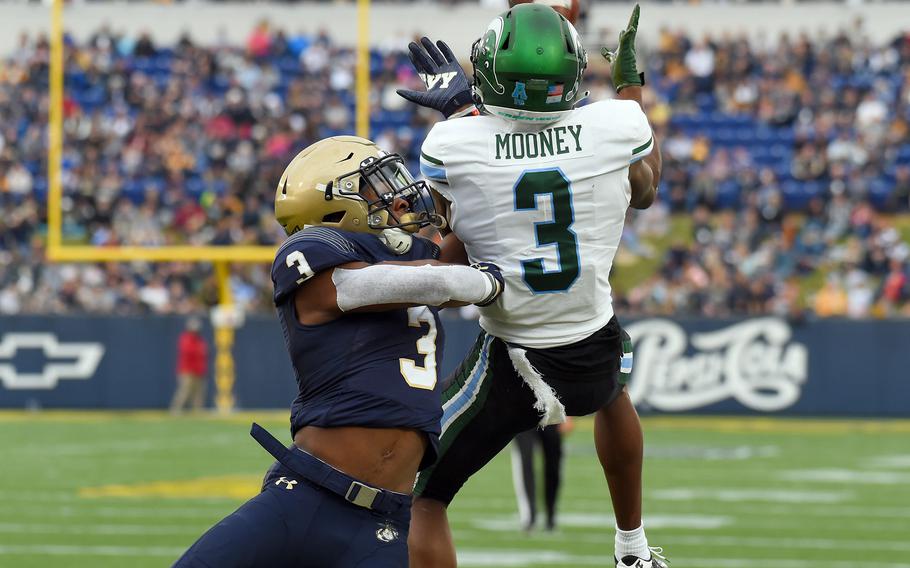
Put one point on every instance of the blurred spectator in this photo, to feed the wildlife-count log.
(860, 295)
(700, 62)
(900, 195)
(831, 300)
(192, 368)
(894, 287)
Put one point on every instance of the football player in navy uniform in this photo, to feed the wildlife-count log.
(357, 294)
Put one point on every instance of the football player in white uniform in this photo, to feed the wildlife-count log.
(541, 188)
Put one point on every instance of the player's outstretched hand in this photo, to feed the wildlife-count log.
(625, 72)
(494, 273)
(448, 88)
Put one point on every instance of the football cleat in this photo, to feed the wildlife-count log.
(657, 560)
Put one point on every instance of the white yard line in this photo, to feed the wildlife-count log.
(896, 461)
(63, 528)
(70, 498)
(84, 550)
(788, 543)
(846, 476)
(711, 453)
(682, 562)
(730, 508)
(106, 445)
(710, 542)
(818, 510)
(601, 521)
(466, 557)
(528, 558)
(125, 511)
(761, 494)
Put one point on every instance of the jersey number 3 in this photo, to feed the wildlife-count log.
(421, 377)
(296, 259)
(557, 232)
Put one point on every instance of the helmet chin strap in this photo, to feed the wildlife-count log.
(411, 222)
(397, 240)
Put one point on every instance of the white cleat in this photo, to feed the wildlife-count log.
(657, 560)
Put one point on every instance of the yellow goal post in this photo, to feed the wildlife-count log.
(221, 257)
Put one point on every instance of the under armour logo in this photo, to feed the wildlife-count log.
(291, 482)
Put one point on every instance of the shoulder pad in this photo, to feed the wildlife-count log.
(306, 253)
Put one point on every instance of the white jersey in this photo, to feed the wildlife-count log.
(547, 205)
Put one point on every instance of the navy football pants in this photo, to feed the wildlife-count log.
(302, 527)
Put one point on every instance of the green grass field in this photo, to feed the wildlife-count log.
(133, 490)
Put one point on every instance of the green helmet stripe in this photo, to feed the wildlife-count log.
(495, 28)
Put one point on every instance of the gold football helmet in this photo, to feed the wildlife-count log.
(349, 183)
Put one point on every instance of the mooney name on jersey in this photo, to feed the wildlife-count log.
(545, 203)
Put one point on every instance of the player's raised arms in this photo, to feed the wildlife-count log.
(644, 174)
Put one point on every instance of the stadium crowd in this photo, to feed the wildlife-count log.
(788, 159)
(785, 159)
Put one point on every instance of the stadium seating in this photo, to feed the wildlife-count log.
(206, 131)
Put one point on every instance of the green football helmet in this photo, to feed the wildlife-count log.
(528, 65)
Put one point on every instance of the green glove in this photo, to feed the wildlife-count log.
(625, 74)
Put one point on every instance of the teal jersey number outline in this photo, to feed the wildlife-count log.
(552, 182)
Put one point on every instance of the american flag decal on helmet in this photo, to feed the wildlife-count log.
(554, 93)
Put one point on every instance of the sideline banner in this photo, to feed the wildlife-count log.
(128, 362)
(764, 365)
(736, 366)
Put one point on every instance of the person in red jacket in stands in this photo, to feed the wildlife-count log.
(192, 368)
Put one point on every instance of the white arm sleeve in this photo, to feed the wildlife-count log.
(423, 285)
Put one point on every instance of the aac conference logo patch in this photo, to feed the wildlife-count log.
(63, 361)
(519, 94)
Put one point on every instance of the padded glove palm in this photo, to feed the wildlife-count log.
(625, 72)
(448, 88)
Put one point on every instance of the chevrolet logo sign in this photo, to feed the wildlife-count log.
(84, 359)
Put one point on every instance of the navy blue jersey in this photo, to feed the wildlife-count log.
(362, 369)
